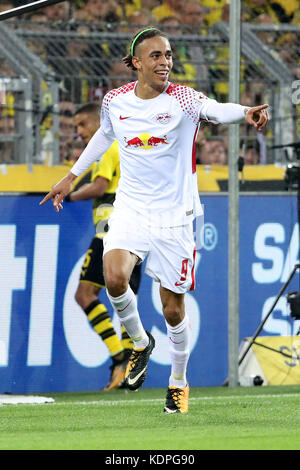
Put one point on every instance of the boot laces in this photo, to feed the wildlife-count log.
(177, 395)
(133, 359)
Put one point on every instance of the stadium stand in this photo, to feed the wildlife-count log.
(76, 41)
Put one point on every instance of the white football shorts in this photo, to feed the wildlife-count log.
(170, 251)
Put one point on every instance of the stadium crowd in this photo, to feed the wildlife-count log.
(191, 67)
(205, 12)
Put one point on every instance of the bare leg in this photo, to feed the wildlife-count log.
(86, 293)
(118, 266)
(87, 297)
(173, 306)
(178, 335)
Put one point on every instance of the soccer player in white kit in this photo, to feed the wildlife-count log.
(155, 123)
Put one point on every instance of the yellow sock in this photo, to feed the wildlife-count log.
(126, 341)
(100, 320)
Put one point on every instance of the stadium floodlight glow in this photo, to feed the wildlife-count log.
(18, 11)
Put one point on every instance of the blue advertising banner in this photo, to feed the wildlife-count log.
(46, 342)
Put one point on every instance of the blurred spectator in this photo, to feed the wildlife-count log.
(58, 12)
(126, 8)
(139, 19)
(213, 10)
(38, 22)
(78, 47)
(226, 13)
(253, 95)
(8, 104)
(200, 141)
(7, 127)
(38, 16)
(77, 149)
(266, 36)
(74, 150)
(168, 8)
(250, 151)
(254, 8)
(78, 12)
(96, 93)
(192, 16)
(7, 124)
(183, 70)
(81, 62)
(66, 129)
(101, 11)
(150, 4)
(119, 74)
(5, 70)
(6, 5)
(170, 25)
(281, 11)
(287, 47)
(213, 153)
(247, 96)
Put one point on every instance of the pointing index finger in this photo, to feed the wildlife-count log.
(46, 198)
(260, 107)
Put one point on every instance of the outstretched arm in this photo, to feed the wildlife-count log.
(90, 190)
(231, 113)
(99, 144)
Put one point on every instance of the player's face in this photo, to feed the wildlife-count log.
(86, 126)
(154, 61)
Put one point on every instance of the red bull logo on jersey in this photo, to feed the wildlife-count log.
(136, 142)
(163, 118)
(146, 141)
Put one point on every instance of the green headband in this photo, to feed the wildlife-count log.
(138, 35)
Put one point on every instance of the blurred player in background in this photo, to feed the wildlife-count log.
(155, 123)
(100, 185)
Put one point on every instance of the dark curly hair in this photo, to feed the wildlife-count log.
(145, 33)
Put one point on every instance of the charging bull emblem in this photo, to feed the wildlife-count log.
(146, 141)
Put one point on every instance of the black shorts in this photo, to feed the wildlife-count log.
(92, 268)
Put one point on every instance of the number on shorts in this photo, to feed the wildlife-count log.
(184, 270)
(86, 262)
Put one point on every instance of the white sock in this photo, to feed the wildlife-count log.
(126, 308)
(179, 351)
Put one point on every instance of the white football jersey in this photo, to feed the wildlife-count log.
(157, 151)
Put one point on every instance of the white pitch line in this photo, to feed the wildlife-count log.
(216, 399)
(159, 400)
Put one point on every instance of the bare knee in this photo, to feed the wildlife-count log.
(116, 283)
(173, 306)
(86, 293)
(173, 315)
(118, 266)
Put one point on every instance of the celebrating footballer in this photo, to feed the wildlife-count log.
(155, 123)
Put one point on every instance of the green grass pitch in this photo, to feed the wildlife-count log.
(223, 418)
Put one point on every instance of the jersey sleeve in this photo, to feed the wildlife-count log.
(97, 146)
(199, 107)
(104, 115)
(193, 103)
(202, 104)
(107, 166)
(222, 113)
